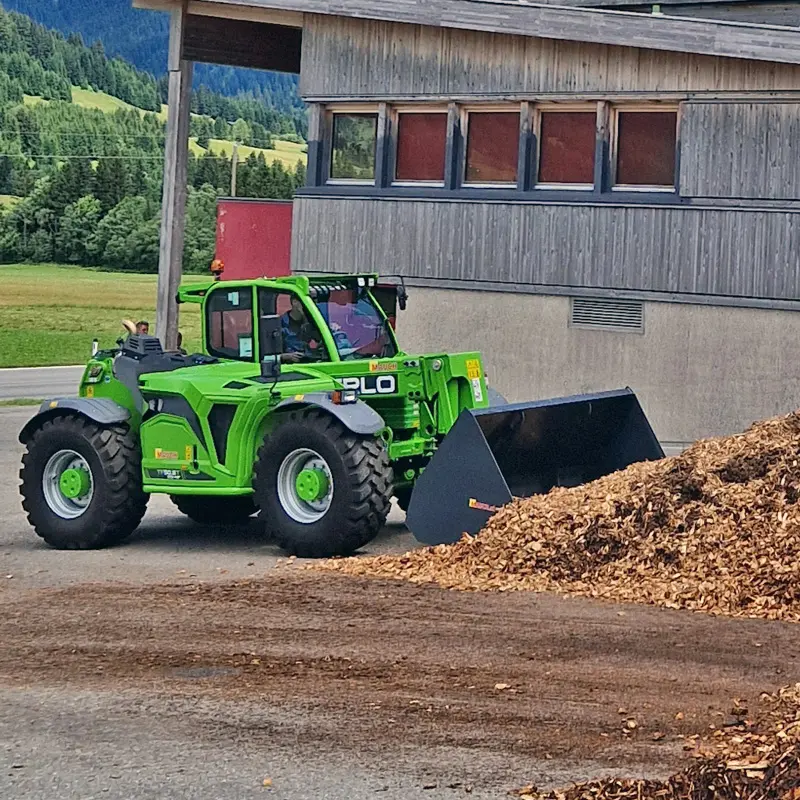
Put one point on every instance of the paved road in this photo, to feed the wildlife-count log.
(39, 382)
(67, 743)
(64, 738)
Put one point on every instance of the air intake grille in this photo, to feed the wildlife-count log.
(607, 314)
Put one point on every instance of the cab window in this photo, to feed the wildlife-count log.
(229, 323)
(301, 339)
(358, 328)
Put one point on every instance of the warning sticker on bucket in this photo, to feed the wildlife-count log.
(473, 503)
(473, 368)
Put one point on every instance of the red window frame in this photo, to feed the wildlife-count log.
(645, 150)
(492, 149)
(556, 164)
(421, 158)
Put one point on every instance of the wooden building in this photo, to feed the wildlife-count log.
(593, 194)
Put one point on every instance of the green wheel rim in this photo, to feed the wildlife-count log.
(312, 485)
(75, 483)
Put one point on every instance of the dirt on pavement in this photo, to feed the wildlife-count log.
(384, 665)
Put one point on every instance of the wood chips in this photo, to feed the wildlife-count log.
(756, 759)
(715, 529)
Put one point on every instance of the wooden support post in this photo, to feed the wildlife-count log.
(316, 137)
(453, 149)
(527, 149)
(602, 150)
(173, 203)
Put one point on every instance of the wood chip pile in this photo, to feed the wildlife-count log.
(756, 759)
(715, 529)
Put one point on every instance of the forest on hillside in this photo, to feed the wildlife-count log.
(140, 37)
(83, 185)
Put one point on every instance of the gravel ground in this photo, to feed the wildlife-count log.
(196, 662)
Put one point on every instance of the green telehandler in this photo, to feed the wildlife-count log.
(303, 408)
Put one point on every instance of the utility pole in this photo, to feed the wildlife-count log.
(234, 165)
(173, 204)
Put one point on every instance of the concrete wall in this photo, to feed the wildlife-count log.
(698, 370)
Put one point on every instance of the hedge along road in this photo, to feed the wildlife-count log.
(196, 662)
(39, 382)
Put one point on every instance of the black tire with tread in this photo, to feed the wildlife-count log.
(113, 455)
(362, 480)
(209, 510)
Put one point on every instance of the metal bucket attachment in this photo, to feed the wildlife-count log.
(516, 450)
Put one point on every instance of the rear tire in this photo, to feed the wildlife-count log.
(356, 470)
(110, 505)
(207, 510)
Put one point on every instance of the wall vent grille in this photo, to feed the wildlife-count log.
(607, 314)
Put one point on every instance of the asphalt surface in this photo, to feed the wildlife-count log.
(66, 743)
(39, 382)
(198, 662)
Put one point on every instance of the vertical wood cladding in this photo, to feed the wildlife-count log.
(686, 250)
(361, 58)
(747, 150)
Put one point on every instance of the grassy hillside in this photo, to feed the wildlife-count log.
(140, 37)
(49, 314)
(87, 98)
(289, 153)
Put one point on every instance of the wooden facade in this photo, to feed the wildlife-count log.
(728, 232)
(349, 59)
(741, 150)
(692, 251)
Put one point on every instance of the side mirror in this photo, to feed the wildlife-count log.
(270, 336)
(402, 297)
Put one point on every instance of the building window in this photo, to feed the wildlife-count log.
(492, 147)
(353, 147)
(645, 148)
(566, 148)
(421, 145)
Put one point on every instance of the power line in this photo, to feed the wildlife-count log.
(87, 158)
(59, 135)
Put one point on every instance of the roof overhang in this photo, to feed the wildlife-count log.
(652, 31)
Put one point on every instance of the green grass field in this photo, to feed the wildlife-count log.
(21, 401)
(49, 314)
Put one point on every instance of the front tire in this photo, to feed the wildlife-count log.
(82, 483)
(207, 510)
(323, 491)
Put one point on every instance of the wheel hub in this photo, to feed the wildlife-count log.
(74, 483)
(305, 486)
(312, 485)
(67, 484)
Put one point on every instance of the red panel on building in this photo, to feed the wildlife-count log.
(254, 237)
